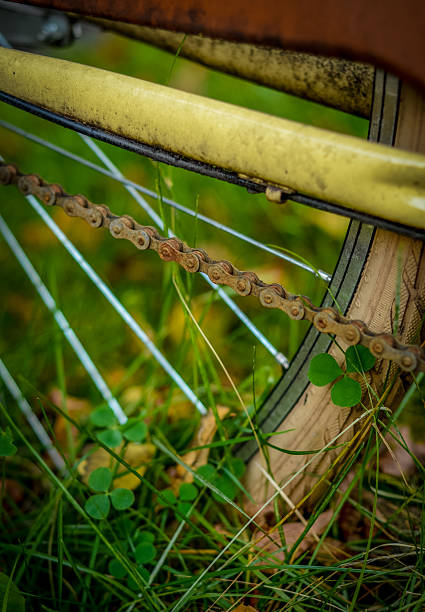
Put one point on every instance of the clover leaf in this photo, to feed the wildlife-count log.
(100, 479)
(122, 498)
(345, 392)
(359, 359)
(99, 505)
(323, 370)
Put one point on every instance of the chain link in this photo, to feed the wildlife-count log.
(327, 320)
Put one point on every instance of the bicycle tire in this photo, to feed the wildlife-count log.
(372, 261)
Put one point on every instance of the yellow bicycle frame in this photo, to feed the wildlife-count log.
(344, 170)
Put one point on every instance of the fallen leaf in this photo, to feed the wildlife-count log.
(330, 551)
(77, 408)
(272, 542)
(244, 608)
(204, 435)
(398, 461)
(265, 517)
(11, 491)
(195, 458)
(138, 456)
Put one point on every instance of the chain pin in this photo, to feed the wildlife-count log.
(376, 347)
(190, 262)
(141, 239)
(243, 286)
(117, 228)
(408, 362)
(352, 335)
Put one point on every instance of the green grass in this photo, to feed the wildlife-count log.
(191, 548)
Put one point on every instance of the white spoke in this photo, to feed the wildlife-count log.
(32, 419)
(62, 322)
(116, 304)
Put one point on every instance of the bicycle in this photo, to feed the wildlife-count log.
(292, 399)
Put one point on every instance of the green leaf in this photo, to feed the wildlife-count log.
(144, 536)
(136, 432)
(110, 437)
(98, 506)
(359, 359)
(145, 552)
(103, 417)
(237, 466)
(15, 601)
(187, 492)
(346, 392)
(116, 569)
(207, 471)
(226, 486)
(145, 575)
(7, 448)
(323, 370)
(169, 496)
(184, 507)
(122, 498)
(100, 479)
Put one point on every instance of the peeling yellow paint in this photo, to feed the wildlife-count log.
(371, 178)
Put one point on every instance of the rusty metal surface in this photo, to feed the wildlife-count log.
(338, 83)
(388, 33)
(270, 295)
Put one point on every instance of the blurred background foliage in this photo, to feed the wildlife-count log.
(30, 343)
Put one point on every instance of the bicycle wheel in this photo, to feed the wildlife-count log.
(291, 399)
(371, 265)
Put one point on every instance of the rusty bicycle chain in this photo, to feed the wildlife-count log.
(328, 320)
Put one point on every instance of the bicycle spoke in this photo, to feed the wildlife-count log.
(280, 357)
(32, 419)
(117, 305)
(62, 322)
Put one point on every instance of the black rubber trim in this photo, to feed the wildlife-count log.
(221, 174)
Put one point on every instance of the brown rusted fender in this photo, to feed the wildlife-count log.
(388, 33)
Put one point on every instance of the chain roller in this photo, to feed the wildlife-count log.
(327, 320)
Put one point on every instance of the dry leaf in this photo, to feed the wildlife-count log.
(265, 517)
(77, 409)
(292, 531)
(194, 459)
(244, 608)
(330, 551)
(400, 461)
(137, 455)
(132, 395)
(204, 435)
